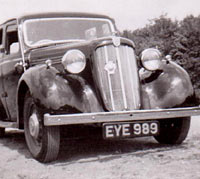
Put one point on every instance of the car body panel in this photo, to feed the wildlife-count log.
(62, 14)
(10, 82)
(170, 89)
(55, 53)
(54, 91)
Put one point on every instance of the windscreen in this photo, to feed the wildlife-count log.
(52, 30)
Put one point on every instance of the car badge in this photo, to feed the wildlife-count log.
(116, 41)
(110, 67)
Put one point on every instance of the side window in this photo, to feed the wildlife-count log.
(12, 43)
(1, 36)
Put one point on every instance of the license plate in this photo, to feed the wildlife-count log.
(133, 129)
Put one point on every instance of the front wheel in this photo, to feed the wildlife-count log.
(173, 131)
(43, 142)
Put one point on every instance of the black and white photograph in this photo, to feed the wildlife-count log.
(99, 89)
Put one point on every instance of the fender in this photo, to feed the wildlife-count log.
(54, 91)
(170, 87)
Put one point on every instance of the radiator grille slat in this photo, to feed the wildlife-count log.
(116, 74)
(109, 79)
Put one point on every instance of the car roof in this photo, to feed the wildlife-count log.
(56, 14)
(61, 14)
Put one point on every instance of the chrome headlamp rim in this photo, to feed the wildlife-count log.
(74, 61)
(151, 59)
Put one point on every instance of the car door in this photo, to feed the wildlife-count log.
(2, 99)
(12, 55)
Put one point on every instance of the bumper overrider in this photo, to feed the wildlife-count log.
(122, 116)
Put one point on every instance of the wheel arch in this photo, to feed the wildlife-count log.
(22, 90)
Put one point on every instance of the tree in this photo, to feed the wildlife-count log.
(186, 48)
(158, 34)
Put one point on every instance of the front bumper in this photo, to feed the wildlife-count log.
(105, 117)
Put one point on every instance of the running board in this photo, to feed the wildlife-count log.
(5, 124)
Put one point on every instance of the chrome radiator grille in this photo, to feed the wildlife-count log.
(116, 74)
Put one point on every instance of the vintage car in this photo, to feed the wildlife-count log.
(73, 69)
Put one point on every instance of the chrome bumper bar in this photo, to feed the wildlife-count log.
(105, 117)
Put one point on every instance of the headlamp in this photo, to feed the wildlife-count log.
(151, 59)
(74, 61)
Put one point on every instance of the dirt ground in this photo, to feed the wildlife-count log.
(141, 158)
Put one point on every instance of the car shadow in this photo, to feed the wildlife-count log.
(89, 149)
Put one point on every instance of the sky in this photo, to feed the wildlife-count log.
(128, 14)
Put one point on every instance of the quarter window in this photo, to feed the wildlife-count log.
(12, 43)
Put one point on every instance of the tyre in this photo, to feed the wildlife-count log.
(43, 142)
(173, 131)
(2, 132)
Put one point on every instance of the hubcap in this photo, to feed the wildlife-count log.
(34, 125)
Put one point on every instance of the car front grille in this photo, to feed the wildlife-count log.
(116, 74)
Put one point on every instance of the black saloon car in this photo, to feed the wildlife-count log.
(69, 69)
